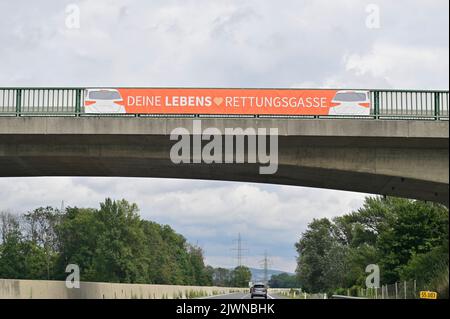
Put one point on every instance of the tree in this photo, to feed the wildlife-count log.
(241, 276)
(284, 280)
(113, 244)
(312, 249)
(118, 255)
(41, 226)
(9, 226)
(12, 260)
(430, 270)
(200, 275)
(20, 257)
(78, 235)
(399, 235)
(416, 228)
(221, 277)
(335, 266)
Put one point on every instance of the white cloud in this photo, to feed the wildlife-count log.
(218, 43)
(393, 63)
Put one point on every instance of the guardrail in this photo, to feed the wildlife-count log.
(386, 104)
(41, 101)
(345, 297)
(414, 104)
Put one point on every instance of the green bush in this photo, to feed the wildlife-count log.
(430, 270)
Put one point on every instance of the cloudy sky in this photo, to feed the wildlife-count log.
(253, 43)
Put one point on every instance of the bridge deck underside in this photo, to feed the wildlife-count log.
(412, 168)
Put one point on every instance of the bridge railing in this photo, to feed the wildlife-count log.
(386, 104)
(396, 103)
(41, 101)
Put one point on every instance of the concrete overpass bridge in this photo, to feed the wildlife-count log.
(405, 156)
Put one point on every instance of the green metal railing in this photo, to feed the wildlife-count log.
(30, 101)
(415, 104)
(386, 104)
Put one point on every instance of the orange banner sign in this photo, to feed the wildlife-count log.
(227, 101)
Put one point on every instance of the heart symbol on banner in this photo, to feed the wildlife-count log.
(218, 100)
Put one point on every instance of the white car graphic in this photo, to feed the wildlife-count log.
(350, 103)
(103, 101)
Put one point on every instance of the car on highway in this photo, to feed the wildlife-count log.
(103, 101)
(350, 103)
(258, 290)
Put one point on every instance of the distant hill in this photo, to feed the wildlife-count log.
(258, 274)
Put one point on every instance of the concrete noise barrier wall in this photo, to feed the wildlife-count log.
(47, 289)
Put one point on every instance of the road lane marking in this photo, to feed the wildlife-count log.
(214, 296)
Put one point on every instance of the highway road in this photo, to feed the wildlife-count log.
(243, 296)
